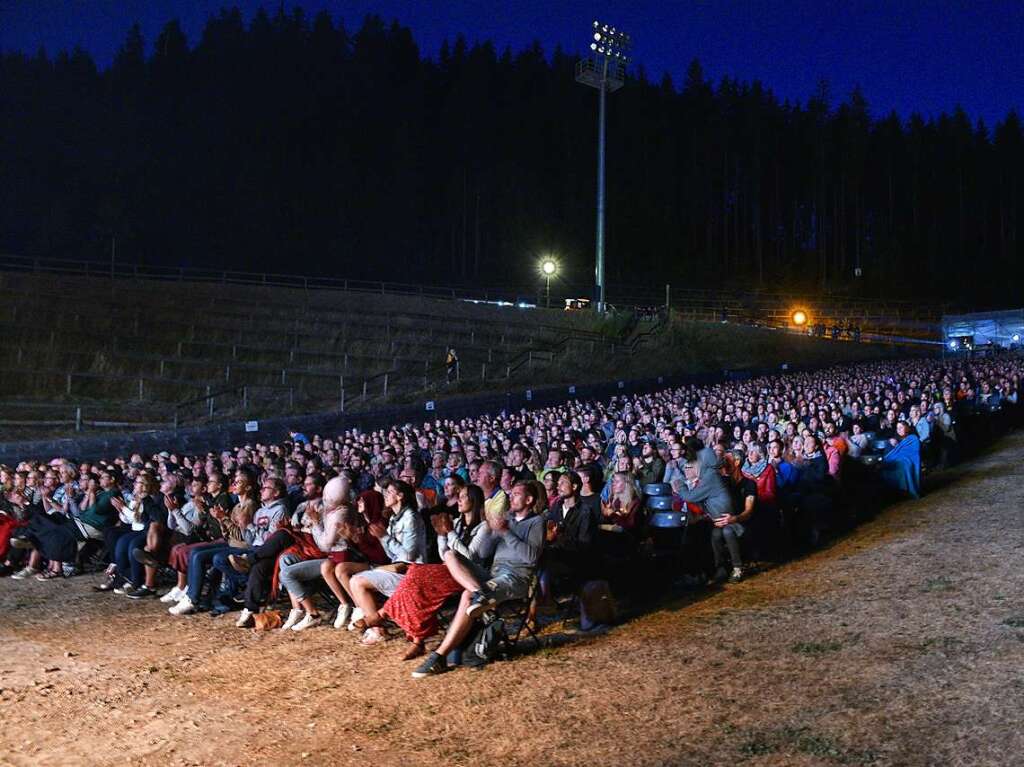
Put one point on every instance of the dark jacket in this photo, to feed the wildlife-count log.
(576, 527)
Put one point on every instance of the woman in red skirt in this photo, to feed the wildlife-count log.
(425, 588)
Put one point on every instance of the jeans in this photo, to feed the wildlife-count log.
(127, 568)
(722, 538)
(199, 562)
(295, 576)
(232, 578)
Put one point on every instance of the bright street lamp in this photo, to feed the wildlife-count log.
(549, 268)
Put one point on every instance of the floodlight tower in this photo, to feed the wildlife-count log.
(605, 70)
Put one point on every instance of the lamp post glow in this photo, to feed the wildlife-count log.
(548, 267)
(606, 72)
(799, 318)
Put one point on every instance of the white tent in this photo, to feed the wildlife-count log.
(1000, 328)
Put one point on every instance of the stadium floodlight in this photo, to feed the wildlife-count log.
(1015, 338)
(953, 345)
(605, 71)
(549, 268)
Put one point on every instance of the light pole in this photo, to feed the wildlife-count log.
(548, 267)
(606, 71)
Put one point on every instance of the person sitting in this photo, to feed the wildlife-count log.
(766, 525)
(901, 465)
(272, 515)
(232, 526)
(812, 496)
(730, 527)
(361, 551)
(620, 517)
(551, 485)
(518, 539)
(705, 488)
(570, 535)
(652, 467)
(403, 537)
(415, 603)
(299, 564)
(174, 527)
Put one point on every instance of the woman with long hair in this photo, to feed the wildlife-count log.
(361, 552)
(404, 538)
(425, 588)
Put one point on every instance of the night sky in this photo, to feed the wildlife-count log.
(908, 55)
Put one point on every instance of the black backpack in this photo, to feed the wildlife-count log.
(490, 642)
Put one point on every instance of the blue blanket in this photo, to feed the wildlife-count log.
(901, 466)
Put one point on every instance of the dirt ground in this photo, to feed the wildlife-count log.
(901, 644)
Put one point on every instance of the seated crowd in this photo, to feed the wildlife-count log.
(418, 527)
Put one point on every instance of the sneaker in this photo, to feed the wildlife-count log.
(293, 617)
(343, 616)
(174, 595)
(372, 636)
(354, 618)
(434, 664)
(482, 602)
(720, 576)
(49, 575)
(244, 618)
(737, 575)
(142, 592)
(127, 589)
(146, 558)
(69, 569)
(184, 607)
(25, 572)
(311, 619)
(240, 562)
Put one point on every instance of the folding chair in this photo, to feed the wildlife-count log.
(521, 610)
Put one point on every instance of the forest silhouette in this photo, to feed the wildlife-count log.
(287, 143)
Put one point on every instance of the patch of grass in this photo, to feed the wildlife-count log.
(815, 648)
(803, 740)
(940, 584)
(759, 745)
(946, 644)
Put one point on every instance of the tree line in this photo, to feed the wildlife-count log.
(292, 144)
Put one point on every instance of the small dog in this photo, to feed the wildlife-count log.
(266, 621)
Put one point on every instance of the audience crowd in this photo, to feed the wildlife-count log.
(423, 528)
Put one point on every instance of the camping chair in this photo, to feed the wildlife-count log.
(521, 611)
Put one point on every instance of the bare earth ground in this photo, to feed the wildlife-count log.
(902, 644)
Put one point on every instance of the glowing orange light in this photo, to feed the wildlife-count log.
(799, 317)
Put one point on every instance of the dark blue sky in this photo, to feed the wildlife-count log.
(907, 55)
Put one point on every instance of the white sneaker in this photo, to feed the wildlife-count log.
(293, 617)
(244, 618)
(25, 572)
(357, 615)
(184, 607)
(174, 595)
(309, 621)
(344, 614)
